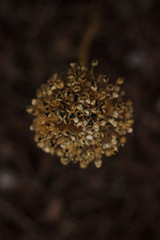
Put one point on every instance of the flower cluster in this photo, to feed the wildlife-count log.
(80, 116)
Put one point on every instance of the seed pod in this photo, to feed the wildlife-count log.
(79, 116)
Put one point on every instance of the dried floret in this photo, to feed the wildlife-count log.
(80, 116)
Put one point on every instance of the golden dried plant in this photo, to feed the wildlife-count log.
(80, 116)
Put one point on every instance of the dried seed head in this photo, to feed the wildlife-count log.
(80, 116)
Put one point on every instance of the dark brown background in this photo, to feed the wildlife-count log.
(40, 199)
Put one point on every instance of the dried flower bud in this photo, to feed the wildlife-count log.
(80, 116)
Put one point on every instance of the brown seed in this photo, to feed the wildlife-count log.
(78, 112)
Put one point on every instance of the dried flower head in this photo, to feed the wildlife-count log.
(80, 116)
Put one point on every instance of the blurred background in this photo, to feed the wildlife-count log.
(40, 199)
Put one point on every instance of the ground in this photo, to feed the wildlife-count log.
(40, 199)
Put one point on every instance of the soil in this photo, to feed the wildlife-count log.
(40, 199)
